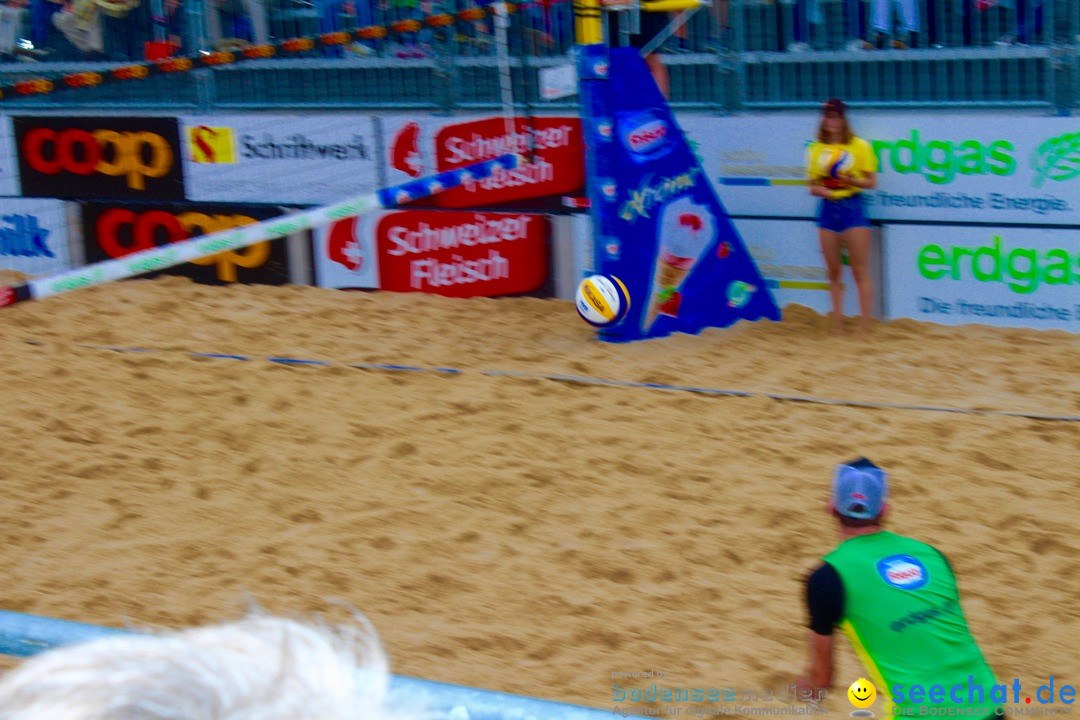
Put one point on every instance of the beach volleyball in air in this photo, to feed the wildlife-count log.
(602, 300)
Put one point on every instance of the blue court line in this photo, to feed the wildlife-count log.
(406, 368)
(586, 380)
(296, 361)
(126, 349)
(215, 356)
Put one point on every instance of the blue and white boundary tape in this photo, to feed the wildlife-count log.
(205, 245)
(25, 635)
(586, 380)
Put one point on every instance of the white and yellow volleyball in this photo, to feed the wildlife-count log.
(602, 300)
(836, 162)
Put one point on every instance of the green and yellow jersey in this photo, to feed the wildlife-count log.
(896, 599)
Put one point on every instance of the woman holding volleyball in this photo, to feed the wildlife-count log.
(840, 166)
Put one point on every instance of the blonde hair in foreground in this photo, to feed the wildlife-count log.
(260, 668)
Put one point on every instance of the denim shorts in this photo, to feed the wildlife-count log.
(844, 214)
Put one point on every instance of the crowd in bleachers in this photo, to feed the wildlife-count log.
(901, 24)
(120, 30)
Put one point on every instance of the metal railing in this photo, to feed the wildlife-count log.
(732, 54)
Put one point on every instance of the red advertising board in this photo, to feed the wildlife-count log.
(553, 145)
(462, 254)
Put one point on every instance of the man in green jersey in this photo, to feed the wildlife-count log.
(896, 600)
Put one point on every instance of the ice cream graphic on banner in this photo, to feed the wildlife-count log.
(658, 225)
(686, 231)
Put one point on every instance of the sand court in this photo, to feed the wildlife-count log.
(517, 533)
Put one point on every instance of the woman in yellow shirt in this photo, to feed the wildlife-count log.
(840, 166)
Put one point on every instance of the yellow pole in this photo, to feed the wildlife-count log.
(588, 29)
(669, 5)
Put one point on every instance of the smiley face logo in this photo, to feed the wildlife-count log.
(862, 693)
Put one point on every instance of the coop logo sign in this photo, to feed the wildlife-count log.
(121, 231)
(132, 156)
(109, 157)
(112, 232)
(646, 135)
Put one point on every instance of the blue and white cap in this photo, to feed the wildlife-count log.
(859, 489)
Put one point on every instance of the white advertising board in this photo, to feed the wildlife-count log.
(934, 167)
(297, 159)
(33, 236)
(1014, 277)
(345, 255)
(9, 164)
(788, 256)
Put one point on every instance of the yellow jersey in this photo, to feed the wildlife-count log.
(829, 161)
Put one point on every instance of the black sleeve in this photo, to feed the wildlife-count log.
(824, 599)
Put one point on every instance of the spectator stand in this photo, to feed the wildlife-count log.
(439, 55)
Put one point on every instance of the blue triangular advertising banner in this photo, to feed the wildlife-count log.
(658, 225)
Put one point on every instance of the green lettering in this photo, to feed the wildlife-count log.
(939, 161)
(932, 255)
(154, 262)
(1057, 268)
(144, 265)
(993, 254)
(957, 253)
(999, 152)
(287, 228)
(971, 161)
(226, 242)
(882, 149)
(354, 208)
(213, 246)
(1024, 279)
(912, 148)
(71, 283)
(938, 158)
